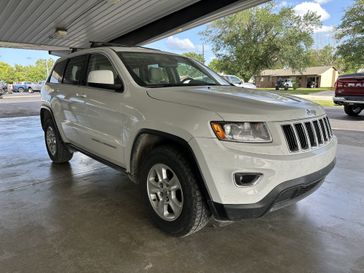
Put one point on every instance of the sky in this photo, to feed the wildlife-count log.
(331, 11)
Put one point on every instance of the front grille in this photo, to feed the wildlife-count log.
(303, 136)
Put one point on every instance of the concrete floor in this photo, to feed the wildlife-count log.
(86, 217)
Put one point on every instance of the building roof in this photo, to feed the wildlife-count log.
(316, 70)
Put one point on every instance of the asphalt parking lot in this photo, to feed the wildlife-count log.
(19, 105)
(87, 217)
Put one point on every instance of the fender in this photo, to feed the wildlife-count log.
(186, 148)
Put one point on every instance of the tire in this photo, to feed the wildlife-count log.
(56, 149)
(180, 188)
(21, 90)
(352, 110)
(30, 90)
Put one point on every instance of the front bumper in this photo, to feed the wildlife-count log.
(282, 195)
(349, 100)
(219, 161)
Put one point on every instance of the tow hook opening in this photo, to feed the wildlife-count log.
(246, 179)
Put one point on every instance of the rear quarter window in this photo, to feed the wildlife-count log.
(57, 73)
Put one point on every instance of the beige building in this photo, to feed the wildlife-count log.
(319, 76)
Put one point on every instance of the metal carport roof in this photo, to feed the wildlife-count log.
(32, 23)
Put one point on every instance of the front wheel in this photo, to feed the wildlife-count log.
(30, 90)
(20, 89)
(352, 110)
(170, 192)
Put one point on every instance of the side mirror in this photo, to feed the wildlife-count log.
(103, 79)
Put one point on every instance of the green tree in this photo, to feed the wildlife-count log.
(196, 56)
(6, 72)
(30, 73)
(20, 73)
(323, 57)
(351, 34)
(38, 71)
(217, 66)
(260, 38)
(187, 70)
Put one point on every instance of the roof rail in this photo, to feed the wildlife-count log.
(100, 44)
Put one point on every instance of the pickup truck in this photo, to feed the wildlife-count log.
(27, 86)
(349, 92)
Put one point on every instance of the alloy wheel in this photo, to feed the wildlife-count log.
(165, 192)
(51, 140)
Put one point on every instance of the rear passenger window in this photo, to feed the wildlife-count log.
(75, 70)
(57, 73)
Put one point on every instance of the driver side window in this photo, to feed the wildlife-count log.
(98, 62)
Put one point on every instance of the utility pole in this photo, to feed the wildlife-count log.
(203, 53)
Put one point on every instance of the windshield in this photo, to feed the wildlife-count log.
(163, 70)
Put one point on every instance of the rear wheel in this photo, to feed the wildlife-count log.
(20, 89)
(170, 192)
(30, 90)
(352, 110)
(56, 149)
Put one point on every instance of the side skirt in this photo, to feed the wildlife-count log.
(97, 158)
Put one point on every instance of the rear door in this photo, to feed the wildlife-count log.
(69, 95)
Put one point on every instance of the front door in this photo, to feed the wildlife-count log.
(100, 114)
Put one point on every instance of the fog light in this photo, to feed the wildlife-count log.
(246, 179)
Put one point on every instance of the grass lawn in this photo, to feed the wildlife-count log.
(325, 103)
(298, 91)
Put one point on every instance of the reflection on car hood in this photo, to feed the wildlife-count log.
(234, 103)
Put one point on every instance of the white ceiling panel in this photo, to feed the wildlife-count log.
(32, 23)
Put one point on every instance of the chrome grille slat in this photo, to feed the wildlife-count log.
(301, 136)
(307, 134)
(318, 131)
(311, 134)
(323, 130)
(290, 137)
(328, 126)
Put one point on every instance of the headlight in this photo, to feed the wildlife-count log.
(241, 131)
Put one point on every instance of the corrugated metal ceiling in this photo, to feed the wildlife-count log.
(32, 23)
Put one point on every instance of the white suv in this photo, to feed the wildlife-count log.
(197, 146)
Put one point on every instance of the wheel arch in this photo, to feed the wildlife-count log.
(45, 111)
(147, 139)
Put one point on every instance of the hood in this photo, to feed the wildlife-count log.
(238, 104)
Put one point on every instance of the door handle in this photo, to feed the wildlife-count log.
(81, 95)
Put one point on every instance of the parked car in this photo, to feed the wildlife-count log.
(239, 82)
(21, 86)
(349, 91)
(27, 86)
(36, 86)
(197, 146)
(286, 84)
(3, 88)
